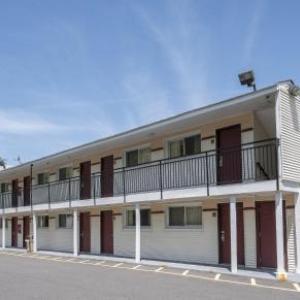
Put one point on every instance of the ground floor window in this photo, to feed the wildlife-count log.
(65, 221)
(185, 216)
(43, 222)
(145, 217)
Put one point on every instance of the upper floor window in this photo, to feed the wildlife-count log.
(4, 187)
(138, 156)
(42, 178)
(145, 217)
(43, 222)
(187, 146)
(65, 221)
(65, 173)
(185, 216)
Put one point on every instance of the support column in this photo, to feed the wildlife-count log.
(137, 233)
(34, 231)
(279, 236)
(233, 235)
(75, 233)
(3, 232)
(297, 231)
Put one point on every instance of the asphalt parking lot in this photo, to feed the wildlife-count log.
(25, 276)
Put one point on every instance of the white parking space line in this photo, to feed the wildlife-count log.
(117, 265)
(159, 269)
(296, 286)
(84, 261)
(136, 267)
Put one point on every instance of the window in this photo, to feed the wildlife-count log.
(43, 222)
(4, 187)
(65, 221)
(145, 217)
(187, 146)
(42, 178)
(138, 156)
(180, 216)
(65, 173)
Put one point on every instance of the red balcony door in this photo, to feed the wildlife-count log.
(224, 233)
(85, 232)
(15, 192)
(266, 234)
(85, 180)
(107, 232)
(107, 176)
(27, 186)
(14, 231)
(229, 158)
(26, 230)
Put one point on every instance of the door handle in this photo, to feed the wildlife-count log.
(220, 161)
(222, 237)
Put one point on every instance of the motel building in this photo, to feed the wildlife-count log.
(217, 186)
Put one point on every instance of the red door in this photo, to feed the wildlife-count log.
(229, 160)
(266, 235)
(107, 176)
(224, 233)
(85, 180)
(15, 192)
(14, 231)
(26, 230)
(85, 232)
(27, 184)
(107, 232)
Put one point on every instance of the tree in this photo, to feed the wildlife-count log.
(2, 163)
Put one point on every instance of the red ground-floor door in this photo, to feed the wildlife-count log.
(85, 232)
(224, 233)
(266, 234)
(107, 232)
(14, 231)
(26, 230)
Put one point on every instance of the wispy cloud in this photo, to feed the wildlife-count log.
(253, 29)
(22, 122)
(179, 38)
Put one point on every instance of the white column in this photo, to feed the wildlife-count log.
(75, 233)
(233, 234)
(279, 234)
(297, 231)
(3, 232)
(137, 233)
(34, 231)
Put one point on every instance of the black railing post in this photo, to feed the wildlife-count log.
(49, 195)
(276, 163)
(207, 173)
(160, 180)
(69, 183)
(124, 185)
(94, 187)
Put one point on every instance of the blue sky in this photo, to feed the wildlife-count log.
(75, 71)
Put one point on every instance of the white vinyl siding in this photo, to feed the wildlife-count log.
(290, 136)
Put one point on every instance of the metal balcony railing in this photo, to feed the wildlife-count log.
(249, 163)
